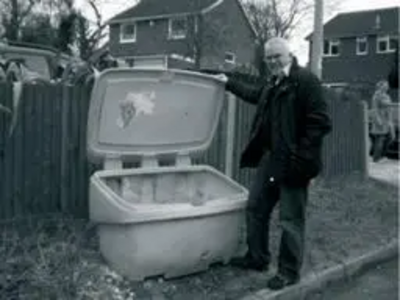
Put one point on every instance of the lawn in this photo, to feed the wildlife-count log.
(57, 257)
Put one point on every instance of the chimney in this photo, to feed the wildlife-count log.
(378, 22)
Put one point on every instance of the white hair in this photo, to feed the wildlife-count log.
(278, 42)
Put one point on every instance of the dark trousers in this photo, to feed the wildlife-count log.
(379, 146)
(262, 200)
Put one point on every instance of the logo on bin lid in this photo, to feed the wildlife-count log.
(135, 104)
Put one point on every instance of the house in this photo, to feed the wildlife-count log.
(360, 48)
(184, 34)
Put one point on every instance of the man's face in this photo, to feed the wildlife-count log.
(277, 58)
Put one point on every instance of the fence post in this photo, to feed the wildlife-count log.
(64, 147)
(365, 153)
(17, 92)
(230, 134)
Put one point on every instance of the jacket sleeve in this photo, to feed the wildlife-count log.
(317, 119)
(247, 92)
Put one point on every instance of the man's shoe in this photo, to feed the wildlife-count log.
(280, 281)
(247, 263)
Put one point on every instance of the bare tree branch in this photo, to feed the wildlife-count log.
(93, 5)
(28, 10)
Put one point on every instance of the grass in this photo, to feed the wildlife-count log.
(58, 258)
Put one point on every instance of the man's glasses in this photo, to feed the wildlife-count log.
(272, 57)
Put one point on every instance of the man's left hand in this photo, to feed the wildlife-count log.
(5, 109)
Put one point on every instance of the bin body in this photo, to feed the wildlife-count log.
(160, 221)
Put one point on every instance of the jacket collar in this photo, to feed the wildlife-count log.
(290, 80)
(294, 70)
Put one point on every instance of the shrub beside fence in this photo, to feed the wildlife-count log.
(44, 168)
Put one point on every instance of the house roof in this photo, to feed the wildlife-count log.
(361, 23)
(151, 9)
(147, 9)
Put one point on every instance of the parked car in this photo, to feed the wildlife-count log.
(31, 61)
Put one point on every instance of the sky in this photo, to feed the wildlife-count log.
(110, 8)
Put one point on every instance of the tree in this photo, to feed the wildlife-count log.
(76, 30)
(53, 23)
(278, 18)
(204, 37)
(38, 21)
(88, 39)
(66, 32)
(39, 31)
(13, 16)
(204, 33)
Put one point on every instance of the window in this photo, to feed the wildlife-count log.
(177, 28)
(362, 46)
(386, 44)
(230, 57)
(331, 48)
(128, 33)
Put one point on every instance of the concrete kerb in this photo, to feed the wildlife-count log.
(342, 271)
(384, 182)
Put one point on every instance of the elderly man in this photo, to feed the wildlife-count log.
(285, 145)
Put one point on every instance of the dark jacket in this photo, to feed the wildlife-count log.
(295, 145)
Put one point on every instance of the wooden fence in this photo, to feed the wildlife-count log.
(44, 169)
(345, 148)
(43, 166)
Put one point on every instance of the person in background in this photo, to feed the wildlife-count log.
(3, 76)
(285, 146)
(382, 128)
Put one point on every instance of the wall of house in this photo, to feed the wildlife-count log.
(237, 36)
(150, 40)
(350, 67)
(232, 34)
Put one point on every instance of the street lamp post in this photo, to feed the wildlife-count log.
(317, 38)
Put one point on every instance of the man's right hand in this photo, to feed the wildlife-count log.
(222, 77)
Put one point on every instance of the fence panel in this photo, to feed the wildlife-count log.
(244, 116)
(44, 167)
(5, 121)
(344, 148)
(215, 155)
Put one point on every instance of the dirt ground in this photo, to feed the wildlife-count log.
(58, 257)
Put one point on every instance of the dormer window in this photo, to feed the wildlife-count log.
(331, 48)
(128, 33)
(386, 44)
(362, 46)
(177, 28)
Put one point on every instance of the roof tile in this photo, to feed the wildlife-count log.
(154, 8)
(363, 23)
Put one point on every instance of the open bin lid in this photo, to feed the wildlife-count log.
(137, 112)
